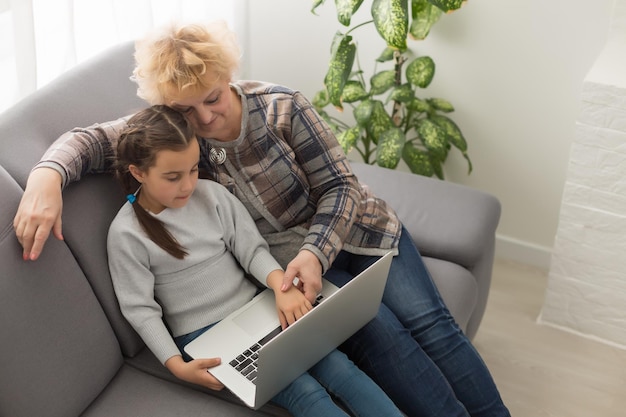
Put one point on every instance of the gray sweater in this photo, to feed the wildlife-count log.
(154, 288)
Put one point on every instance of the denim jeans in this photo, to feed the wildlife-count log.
(308, 395)
(413, 348)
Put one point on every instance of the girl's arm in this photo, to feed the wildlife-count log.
(196, 371)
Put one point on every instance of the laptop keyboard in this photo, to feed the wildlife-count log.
(246, 362)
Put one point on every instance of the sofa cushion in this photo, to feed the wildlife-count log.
(457, 286)
(58, 351)
(135, 394)
(89, 206)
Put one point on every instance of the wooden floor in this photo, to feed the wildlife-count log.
(541, 370)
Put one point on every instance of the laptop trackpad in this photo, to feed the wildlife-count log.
(259, 319)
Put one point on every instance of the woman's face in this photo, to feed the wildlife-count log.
(214, 112)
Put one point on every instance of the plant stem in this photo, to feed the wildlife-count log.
(400, 59)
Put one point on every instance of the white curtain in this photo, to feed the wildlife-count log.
(40, 39)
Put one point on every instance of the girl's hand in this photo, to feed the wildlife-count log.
(291, 304)
(196, 371)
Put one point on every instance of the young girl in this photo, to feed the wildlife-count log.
(178, 252)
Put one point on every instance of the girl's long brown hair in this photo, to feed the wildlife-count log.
(149, 131)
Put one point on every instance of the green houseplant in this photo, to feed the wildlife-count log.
(391, 123)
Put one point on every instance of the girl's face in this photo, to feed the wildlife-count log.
(170, 181)
(214, 112)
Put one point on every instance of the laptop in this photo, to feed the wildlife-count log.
(259, 360)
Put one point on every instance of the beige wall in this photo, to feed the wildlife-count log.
(513, 70)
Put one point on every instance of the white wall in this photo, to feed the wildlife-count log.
(513, 70)
(586, 282)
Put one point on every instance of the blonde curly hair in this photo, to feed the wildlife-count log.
(178, 57)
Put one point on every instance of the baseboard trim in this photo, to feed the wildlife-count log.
(598, 339)
(523, 252)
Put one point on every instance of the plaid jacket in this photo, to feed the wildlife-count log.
(286, 164)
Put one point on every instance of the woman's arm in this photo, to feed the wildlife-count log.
(72, 155)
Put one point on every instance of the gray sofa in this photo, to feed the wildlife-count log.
(67, 351)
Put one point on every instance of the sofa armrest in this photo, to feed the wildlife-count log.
(446, 221)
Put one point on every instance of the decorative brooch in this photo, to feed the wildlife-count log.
(217, 155)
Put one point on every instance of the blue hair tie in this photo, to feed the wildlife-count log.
(131, 198)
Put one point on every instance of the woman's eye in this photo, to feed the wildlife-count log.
(212, 101)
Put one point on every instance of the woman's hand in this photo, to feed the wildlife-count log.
(39, 212)
(196, 371)
(308, 269)
(291, 304)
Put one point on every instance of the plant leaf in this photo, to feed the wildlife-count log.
(363, 112)
(339, 68)
(425, 15)
(447, 5)
(434, 139)
(386, 55)
(353, 91)
(345, 10)
(382, 82)
(349, 138)
(320, 100)
(441, 104)
(420, 71)
(437, 168)
(379, 121)
(333, 126)
(417, 160)
(403, 93)
(418, 105)
(316, 4)
(391, 21)
(455, 136)
(389, 148)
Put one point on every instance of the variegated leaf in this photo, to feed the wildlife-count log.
(434, 138)
(420, 71)
(392, 21)
(349, 138)
(403, 93)
(386, 55)
(363, 112)
(389, 148)
(417, 160)
(441, 104)
(425, 15)
(353, 91)
(447, 5)
(455, 136)
(320, 100)
(339, 68)
(379, 120)
(382, 82)
(345, 10)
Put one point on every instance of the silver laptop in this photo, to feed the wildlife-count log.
(259, 360)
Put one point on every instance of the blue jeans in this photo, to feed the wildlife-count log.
(308, 395)
(413, 349)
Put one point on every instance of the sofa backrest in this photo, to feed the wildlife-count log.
(57, 351)
(29, 127)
